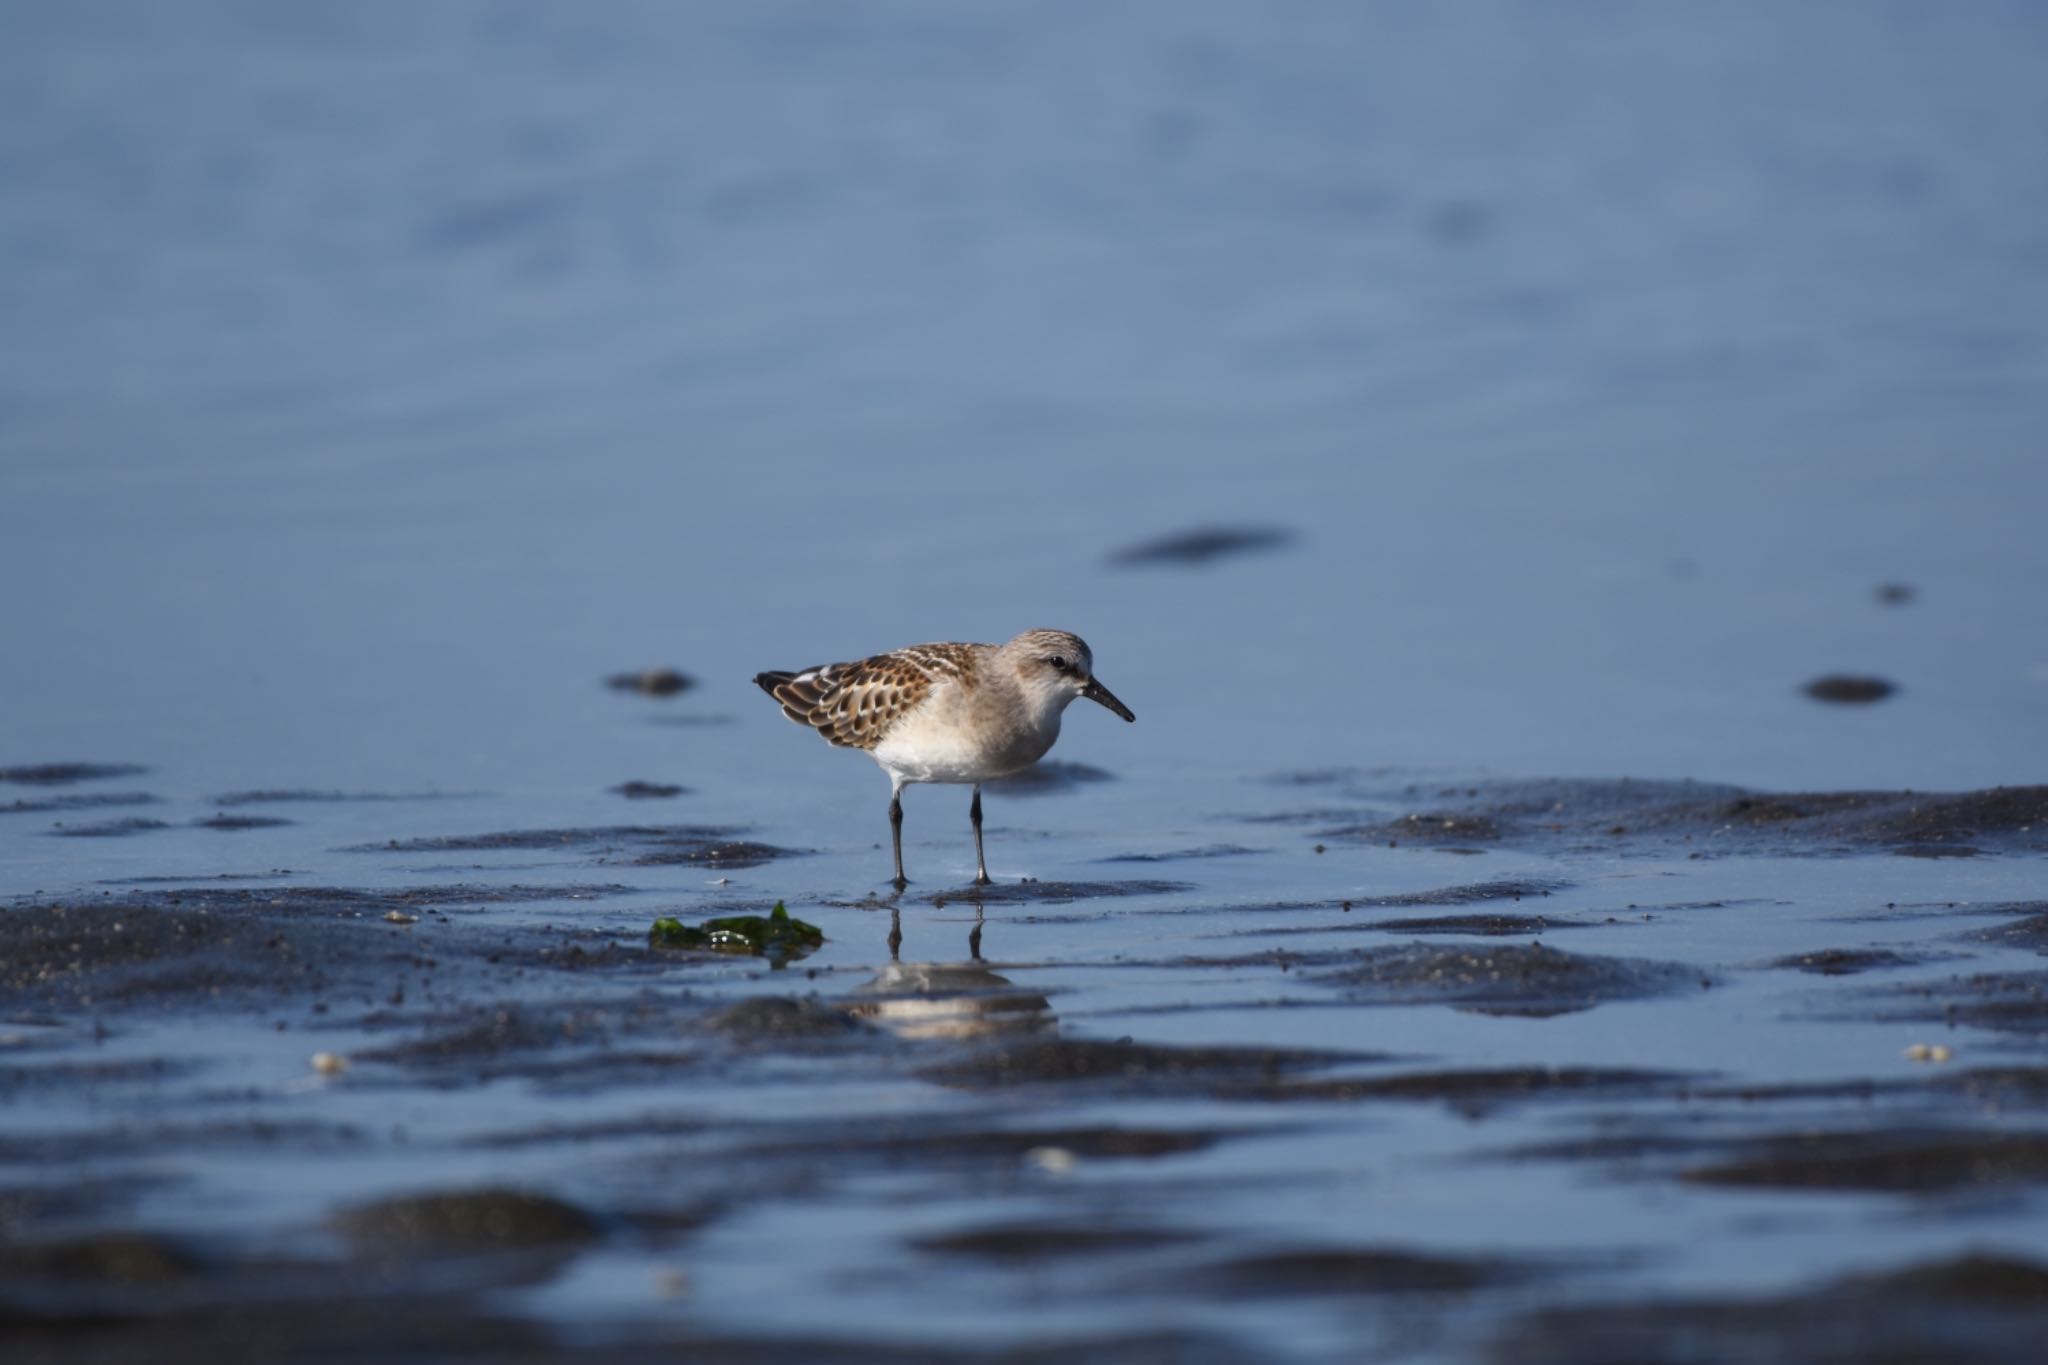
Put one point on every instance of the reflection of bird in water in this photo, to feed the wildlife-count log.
(946, 712)
(948, 1000)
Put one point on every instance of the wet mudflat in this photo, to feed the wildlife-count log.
(1586, 1088)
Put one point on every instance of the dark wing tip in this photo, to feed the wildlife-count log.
(768, 682)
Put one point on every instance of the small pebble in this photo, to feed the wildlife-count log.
(400, 917)
(1929, 1052)
(329, 1063)
(1051, 1160)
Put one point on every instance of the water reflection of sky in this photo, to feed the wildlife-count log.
(380, 377)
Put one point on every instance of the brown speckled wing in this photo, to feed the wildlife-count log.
(854, 704)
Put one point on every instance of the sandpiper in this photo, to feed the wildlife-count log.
(946, 712)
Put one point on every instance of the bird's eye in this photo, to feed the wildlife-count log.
(1059, 662)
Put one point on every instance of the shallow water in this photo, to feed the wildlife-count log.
(1565, 392)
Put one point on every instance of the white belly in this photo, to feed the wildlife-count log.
(937, 747)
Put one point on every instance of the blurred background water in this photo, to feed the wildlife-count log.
(379, 376)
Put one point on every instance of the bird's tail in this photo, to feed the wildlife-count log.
(768, 682)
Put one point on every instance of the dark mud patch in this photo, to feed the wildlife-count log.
(2029, 933)
(1348, 1272)
(1847, 961)
(90, 801)
(1465, 893)
(221, 945)
(571, 1047)
(647, 791)
(1032, 892)
(65, 774)
(782, 1019)
(1202, 545)
(1125, 1066)
(233, 823)
(117, 1258)
(1969, 1310)
(922, 1146)
(1850, 689)
(1482, 926)
(1468, 893)
(1478, 1092)
(465, 1222)
(2003, 1002)
(1905, 1161)
(1515, 979)
(71, 956)
(646, 845)
(100, 1075)
(109, 829)
(1610, 816)
(25, 1209)
(1049, 778)
(1186, 854)
(149, 1140)
(293, 795)
(652, 682)
(1424, 827)
(1012, 1243)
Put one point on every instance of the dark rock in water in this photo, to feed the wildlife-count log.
(465, 1221)
(652, 682)
(64, 774)
(1514, 979)
(647, 791)
(1849, 688)
(1043, 779)
(1202, 545)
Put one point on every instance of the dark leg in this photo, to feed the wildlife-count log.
(980, 862)
(896, 833)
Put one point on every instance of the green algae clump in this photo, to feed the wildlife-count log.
(774, 935)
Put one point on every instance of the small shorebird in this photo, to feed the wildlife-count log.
(946, 712)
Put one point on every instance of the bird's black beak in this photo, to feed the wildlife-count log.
(1095, 691)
